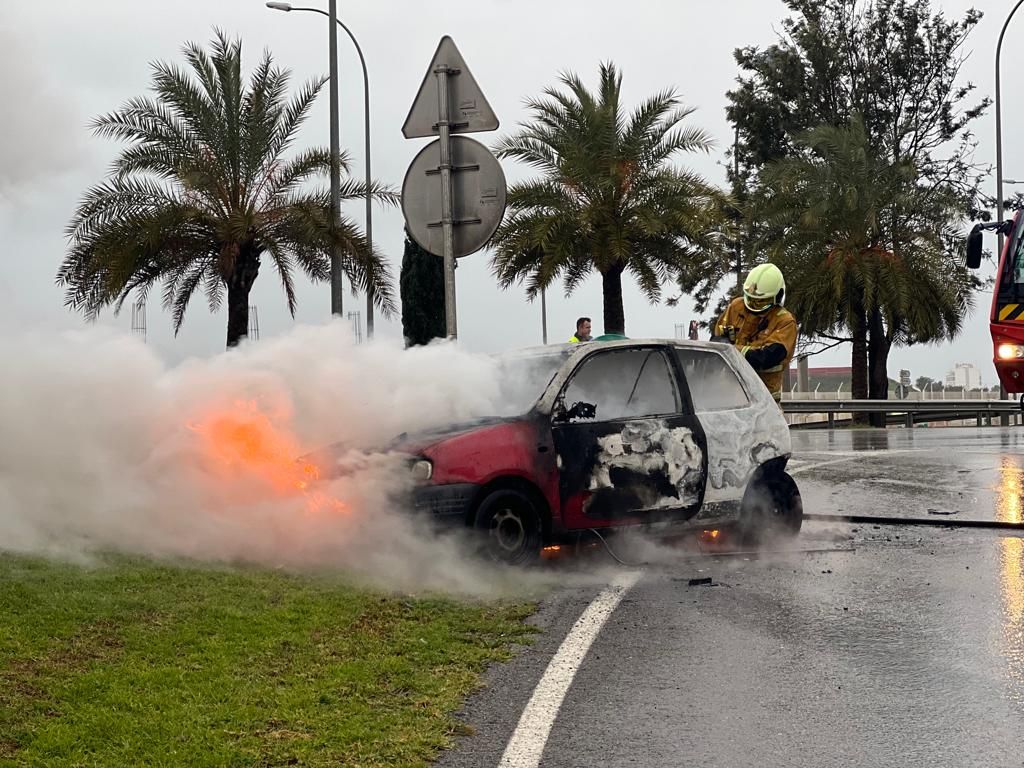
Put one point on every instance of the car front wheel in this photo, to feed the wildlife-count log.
(511, 527)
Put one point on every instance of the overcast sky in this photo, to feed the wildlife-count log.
(65, 61)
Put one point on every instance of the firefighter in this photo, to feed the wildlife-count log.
(760, 327)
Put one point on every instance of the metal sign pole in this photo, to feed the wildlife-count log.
(544, 316)
(451, 326)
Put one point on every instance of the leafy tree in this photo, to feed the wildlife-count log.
(422, 291)
(847, 269)
(922, 383)
(608, 198)
(896, 64)
(203, 195)
(892, 61)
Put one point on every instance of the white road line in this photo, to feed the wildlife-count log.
(846, 456)
(908, 484)
(526, 746)
(865, 452)
(809, 467)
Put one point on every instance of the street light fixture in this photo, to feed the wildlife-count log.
(335, 145)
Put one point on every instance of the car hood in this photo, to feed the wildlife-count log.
(329, 458)
(414, 442)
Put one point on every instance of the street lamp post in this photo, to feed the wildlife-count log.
(331, 14)
(543, 316)
(999, 127)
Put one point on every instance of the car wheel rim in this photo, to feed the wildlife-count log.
(508, 531)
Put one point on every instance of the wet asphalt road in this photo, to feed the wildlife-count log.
(903, 647)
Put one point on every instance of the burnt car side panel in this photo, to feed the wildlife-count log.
(739, 443)
(740, 440)
(639, 468)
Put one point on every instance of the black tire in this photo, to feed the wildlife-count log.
(772, 509)
(510, 527)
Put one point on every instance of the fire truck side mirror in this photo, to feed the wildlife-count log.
(974, 248)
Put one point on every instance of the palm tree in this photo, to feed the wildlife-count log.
(608, 198)
(203, 194)
(865, 250)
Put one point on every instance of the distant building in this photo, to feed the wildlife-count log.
(964, 375)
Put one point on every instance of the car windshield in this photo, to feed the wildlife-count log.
(524, 375)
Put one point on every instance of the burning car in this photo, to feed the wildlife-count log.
(611, 434)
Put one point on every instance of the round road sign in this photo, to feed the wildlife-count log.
(478, 196)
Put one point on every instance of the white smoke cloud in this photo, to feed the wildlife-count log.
(40, 134)
(107, 449)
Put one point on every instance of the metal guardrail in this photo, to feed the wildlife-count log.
(913, 411)
(911, 396)
(899, 406)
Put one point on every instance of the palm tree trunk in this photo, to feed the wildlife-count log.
(859, 362)
(859, 366)
(611, 285)
(239, 285)
(878, 360)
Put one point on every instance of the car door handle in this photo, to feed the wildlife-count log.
(542, 448)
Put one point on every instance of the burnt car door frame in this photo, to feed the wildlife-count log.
(583, 449)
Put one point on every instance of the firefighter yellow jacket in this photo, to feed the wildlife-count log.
(766, 340)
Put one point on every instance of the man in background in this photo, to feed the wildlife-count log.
(582, 331)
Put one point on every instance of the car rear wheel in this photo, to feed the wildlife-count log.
(772, 509)
(510, 525)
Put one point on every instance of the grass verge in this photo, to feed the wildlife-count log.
(134, 663)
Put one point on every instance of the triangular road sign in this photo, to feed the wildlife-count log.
(468, 110)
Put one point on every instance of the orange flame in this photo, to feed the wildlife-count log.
(248, 442)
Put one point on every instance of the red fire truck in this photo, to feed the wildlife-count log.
(1006, 320)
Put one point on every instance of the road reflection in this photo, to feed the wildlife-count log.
(1011, 571)
(1011, 486)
